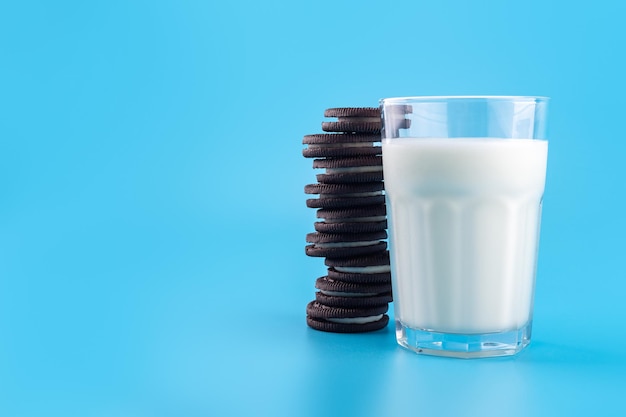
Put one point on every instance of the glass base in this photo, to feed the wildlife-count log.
(483, 345)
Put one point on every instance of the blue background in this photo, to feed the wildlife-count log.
(152, 215)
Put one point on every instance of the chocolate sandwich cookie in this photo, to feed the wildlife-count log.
(330, 286)
(359, 278)
(350, 227)
(371, 264)
(337, 327)
(350, 177)
(363, 219)
(350, 201)
(320, 311)
(353, 119)
(370, 188)
(353, 301)
(346, 320)
(341, 145)
(343, 252)
(345, 239)
(345, 195)
(375, 213)
(350, 170)
(354, 113)
(345, 244)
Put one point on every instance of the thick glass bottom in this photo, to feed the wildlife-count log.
(466, 346)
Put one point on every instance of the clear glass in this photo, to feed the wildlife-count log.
(464, 182)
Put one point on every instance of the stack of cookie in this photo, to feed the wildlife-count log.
(351, 233)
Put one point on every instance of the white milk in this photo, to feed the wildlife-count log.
(464, 227)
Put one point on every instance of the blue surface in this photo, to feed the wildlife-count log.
(153, 219)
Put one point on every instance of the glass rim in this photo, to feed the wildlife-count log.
(432, 99)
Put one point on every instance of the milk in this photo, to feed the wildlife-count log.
(464, 219)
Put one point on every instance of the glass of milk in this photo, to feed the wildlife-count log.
(464, 181)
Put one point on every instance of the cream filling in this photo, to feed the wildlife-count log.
(357, 219)
(375, 269)
(348, 294)
(373, 168)
(356, 320)
(346, 244)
